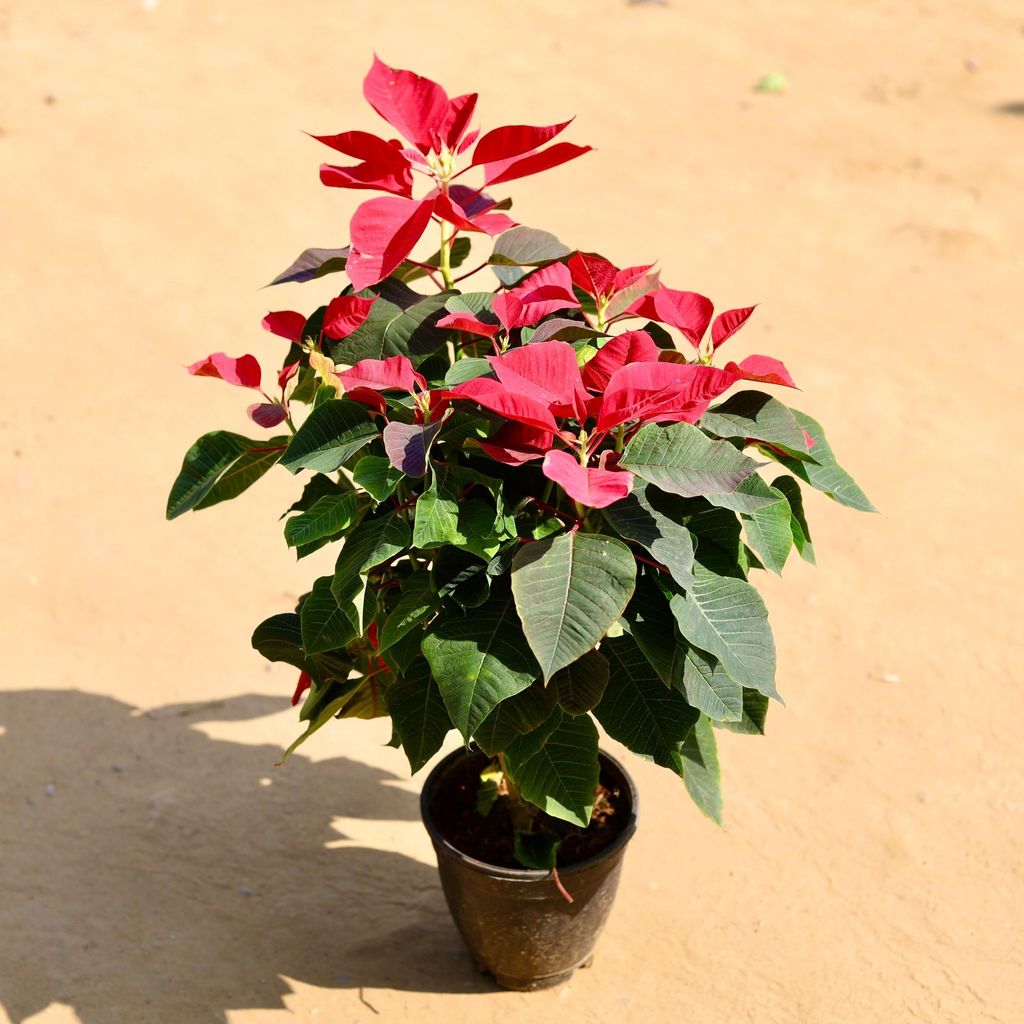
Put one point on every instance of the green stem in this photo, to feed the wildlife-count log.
(446, 255)
(520, 809)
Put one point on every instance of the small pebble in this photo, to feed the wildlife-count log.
(50, 789)
(246, 891)
(49, 99)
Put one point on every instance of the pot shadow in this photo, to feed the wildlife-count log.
(150, 873)
(1014, 108)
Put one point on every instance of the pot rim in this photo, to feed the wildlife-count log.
(524, 874)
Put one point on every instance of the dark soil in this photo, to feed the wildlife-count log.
(490, 837)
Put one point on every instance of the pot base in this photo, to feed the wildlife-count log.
(535, 984)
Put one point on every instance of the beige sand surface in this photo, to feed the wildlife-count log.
(154, 867)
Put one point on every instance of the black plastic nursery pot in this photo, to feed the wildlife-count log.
(517, 924)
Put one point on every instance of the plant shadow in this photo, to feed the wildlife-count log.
(151, 873)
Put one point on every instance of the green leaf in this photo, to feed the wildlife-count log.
(373, 541)
(460, 249)
(638, 709)
(579, 686)
(417, 603)
(524, 247)
(680, 666)
(798, 521)
(681, 459)
(317, 723)
(717, 535)
(825, 473)
(376, 476)
(318, 486)
(537, 850)
(709, 687)
(569, 589)
(559, 776)
(768, 529)
(756, 415)
(654, 519)
(727, 618)
(401, 323)
(755, 710)
(488, 792)
(313, 263)
(514, 716)
(466, 369)
(460, 576)
(331, 435)
(444, 516)
(420, 718)
(328, 516)
(219, 466)
(697, 762)
(279, 638)
(327, 624)
(478, 660)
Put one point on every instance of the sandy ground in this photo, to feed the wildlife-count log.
(154, 867)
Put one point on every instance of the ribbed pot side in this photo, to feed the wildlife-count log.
(516, 923)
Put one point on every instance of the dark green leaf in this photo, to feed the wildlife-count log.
(638, 709)
(417, 603)
(559, 776)
(313, 263)
(420, 718)
(654, 519)
(328, 516)
(697, 762)
(537, 850)
(755, 710)
(524, 247)
(681, 459)
(376, 476)
(579, 686)
(326, 623)
(756, 415)
(401, 323)
(569, 589)
(825, 473)
(373, 541)
(478, 660)
(331, 435)
(718, 546)
(514, 716)
(219, 466)
(279, 638)
(798, 521)
(727, 618)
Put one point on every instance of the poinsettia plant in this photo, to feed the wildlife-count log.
(548, 491)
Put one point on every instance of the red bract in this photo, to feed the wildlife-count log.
(764, 369)
(547, 371)
(304, 683)
(516, 443)
(493, 395)
(689, 312)
(728, 323)
(393, 374)
(595, 488)
(344, 314)
(285, 324)
(469, 210)
(631, 347)
(243, 371)
(417, 107)
(383, 165)
(384, 231)
(666, 392)
(614, 291)
(544, 291)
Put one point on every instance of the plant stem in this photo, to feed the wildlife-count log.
(446, 255)
(522, 811)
